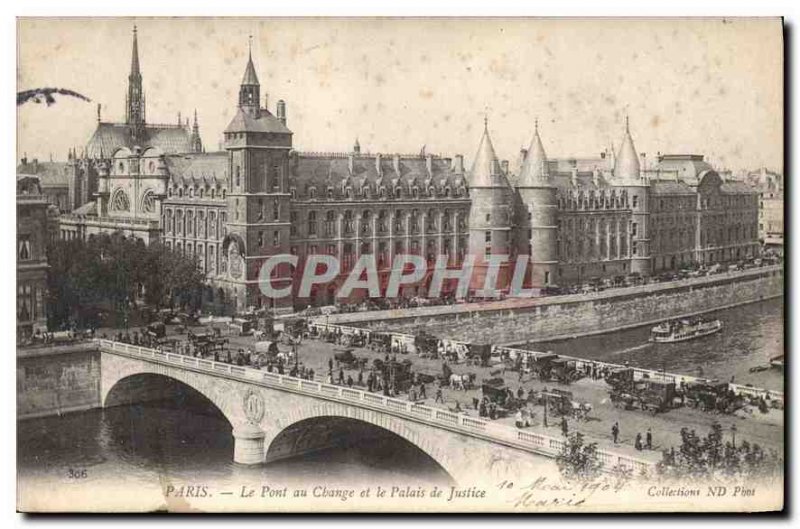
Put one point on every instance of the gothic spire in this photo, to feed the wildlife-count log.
(135, 56)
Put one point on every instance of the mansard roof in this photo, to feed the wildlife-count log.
(49, 173)
(333, 170)
(108, 137)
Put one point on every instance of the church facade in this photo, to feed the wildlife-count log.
(576, 220)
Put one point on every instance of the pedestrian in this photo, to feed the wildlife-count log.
(564, 427)
(615, 432)
(518, 419)
(475, 402)
(520, 392)
(341, 376)
(423, 392)
(360, 378)
(349, 381)
(482, 409)
(439, 397)
(330, 364)
(638, 443)
(330, 378)
(649, 439)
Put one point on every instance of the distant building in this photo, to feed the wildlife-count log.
(54, 179)
(578, 219)
(35, 218)
(769, 185)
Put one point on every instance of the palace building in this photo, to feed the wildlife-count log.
(577, 219)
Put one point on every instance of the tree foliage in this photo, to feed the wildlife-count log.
(712, 456)
(577, 460)
(111, 271)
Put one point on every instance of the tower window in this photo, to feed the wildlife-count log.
(488, 236)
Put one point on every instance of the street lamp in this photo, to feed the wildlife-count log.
(733, 434)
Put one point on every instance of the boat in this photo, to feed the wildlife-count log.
(684, 329)
(776, 362)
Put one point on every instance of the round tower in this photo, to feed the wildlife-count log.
(628, 178)
(489, 216)
(538, 210)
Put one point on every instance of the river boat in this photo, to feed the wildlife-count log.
(684, 329)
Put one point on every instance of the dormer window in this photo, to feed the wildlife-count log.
(293, 192)
(169, 192)
(312, 193)
(180, 192)
(330, 193)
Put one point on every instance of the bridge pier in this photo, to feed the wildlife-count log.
(248, 445)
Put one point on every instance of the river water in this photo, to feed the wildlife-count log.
(141, 444)
(751, 335)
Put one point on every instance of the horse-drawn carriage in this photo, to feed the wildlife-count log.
(550, 367)
(380, 342)
(348, 360)
(648, 394)
(712, 396)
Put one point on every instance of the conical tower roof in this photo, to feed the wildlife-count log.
(534, 169)
(485, 170)
(626, 166)
(250, 78)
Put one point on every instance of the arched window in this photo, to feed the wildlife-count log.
(120, 201)
(276, 209)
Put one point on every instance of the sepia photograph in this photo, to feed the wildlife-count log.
(400, 265)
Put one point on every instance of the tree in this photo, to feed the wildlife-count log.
(577, 460)
(709, 456)
(107, 273)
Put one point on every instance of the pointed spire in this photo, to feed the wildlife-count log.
(626, 164)
(250, 78)
(195, 125)
(485, 170)
(534, 171)
(135, 55)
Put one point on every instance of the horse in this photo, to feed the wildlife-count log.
(462, 382)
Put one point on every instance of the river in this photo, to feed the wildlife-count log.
(751, 335)
(145, 444)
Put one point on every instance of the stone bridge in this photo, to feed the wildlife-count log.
(277, 416)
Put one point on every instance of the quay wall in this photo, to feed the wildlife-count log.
(546, 319)
(52, 380)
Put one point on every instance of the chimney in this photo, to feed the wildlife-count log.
(281, 111)
(523, 153)
(396, 163)
(24, 159)
(35, 165)
(603, 155)
(266, 101)
(378, 164)
(459, 165)
(504, 166)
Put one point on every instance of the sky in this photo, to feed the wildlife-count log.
(705, 86)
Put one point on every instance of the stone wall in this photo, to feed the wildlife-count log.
(55, 380)
(592, 314)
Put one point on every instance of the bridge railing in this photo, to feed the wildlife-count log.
(527, 440)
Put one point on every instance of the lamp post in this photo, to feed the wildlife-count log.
(545, 411)
(733, 434)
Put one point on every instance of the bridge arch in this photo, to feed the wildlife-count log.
(147, 386)
(305, 429)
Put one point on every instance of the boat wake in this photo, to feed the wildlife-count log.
(631, 349)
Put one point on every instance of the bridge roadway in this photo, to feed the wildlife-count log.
(267, 412)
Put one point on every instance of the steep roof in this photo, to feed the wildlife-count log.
(626, 166)
(485, 170)
(250, 77)
(534, 170)
(333, 170)
(209, 168)
(670, 187)
(108, 137)
(266, 122)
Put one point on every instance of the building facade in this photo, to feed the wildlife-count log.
(769, 185)
(575, 220)
(35, 218)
